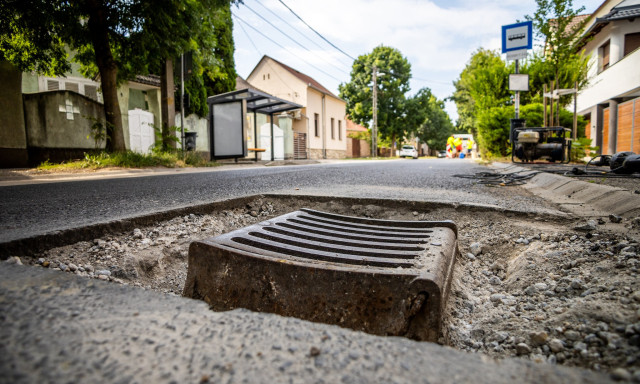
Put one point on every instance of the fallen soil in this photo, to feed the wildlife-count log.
(547, 288)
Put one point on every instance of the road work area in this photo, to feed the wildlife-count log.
(550, 294)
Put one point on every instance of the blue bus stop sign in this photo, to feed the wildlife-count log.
(517, 37)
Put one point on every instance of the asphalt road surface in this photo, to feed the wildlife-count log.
(35, 209)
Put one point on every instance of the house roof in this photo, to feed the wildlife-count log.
(355, 127)
(310, 81)
(577, 21)
(242, 84)
(627, 9)
(153, 80)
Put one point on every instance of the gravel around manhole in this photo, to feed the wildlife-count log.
(543, 288)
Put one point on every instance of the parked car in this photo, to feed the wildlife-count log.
(441, 154)
(408, 151)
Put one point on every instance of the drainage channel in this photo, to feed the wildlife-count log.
(383, 277)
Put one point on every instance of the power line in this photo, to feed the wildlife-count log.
(250, 39)
(286, 49)
(257, 50)
(432, 81)
(316, 32)
(296, 30)
(292, 39)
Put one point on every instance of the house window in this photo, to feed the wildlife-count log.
(316, 128)
(604, 56)
(72, 87)
(339, 129)
(91, 92)
(333, 130)
(53, 85)
(631, 42)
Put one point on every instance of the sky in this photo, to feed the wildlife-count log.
(437, 37)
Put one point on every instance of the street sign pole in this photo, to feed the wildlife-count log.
(517, 107)
(517, 39)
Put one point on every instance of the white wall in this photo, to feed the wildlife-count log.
(622, 76)
(200, 125)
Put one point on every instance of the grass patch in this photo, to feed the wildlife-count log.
(173, 159)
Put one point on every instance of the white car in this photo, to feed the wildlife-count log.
(408, 151)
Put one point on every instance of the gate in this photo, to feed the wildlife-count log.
(299, 145)
(141, 133)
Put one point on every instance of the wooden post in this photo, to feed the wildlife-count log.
(575, 111)
(544, 105)
(551, 107)
(558, 111)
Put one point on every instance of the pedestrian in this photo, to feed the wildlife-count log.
(457, 143)
(450, 147)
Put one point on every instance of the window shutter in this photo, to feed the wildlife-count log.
(631, 42)
(52, 85)
(605, 56)
(91, 92)
(71, 87)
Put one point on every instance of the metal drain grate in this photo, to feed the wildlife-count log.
(378, 276)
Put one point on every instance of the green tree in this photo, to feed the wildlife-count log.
(213, 63)
(482, 84)
(560, 59)
(220, 73)
(34, 46)
(115, 40)
(96, 29)
(394, 72)
(431, 123)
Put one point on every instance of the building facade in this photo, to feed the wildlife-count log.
(320, 125)
(611, 101)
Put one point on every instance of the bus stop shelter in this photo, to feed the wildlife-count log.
(228, 120)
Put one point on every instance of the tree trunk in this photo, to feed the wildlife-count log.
(99, 33)
(167, 105)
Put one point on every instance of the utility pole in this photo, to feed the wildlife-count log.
(374, 126)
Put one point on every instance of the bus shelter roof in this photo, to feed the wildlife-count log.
(257, 101)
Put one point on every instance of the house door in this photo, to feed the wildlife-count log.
(141, 132)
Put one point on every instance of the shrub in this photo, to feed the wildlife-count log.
(493, 131)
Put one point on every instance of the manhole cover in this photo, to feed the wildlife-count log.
(378, 276)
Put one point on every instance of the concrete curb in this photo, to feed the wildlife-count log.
(577, 196)
(57, 327)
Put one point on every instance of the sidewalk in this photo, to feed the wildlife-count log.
(58, 327)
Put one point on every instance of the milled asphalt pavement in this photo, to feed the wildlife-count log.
(33, 209)
(57, 327)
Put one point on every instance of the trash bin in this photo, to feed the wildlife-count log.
(190, 141)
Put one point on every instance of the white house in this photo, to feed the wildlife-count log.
(320, 126)
(611, 101)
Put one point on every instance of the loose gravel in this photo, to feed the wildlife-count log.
(545, 288)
